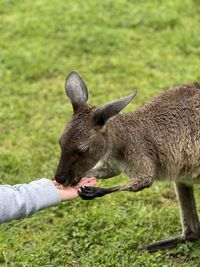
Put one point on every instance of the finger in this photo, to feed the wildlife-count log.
(86, 181)
(92, 183)
(88, 178)
(83, 180)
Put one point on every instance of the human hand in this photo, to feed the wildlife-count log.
(69, 192)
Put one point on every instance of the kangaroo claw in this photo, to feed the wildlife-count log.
(89, 192)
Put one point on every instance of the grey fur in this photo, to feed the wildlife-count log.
(159, 141)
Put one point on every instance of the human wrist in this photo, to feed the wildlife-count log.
(59, 190)
(65, 192)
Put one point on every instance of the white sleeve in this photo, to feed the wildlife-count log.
(21, 200)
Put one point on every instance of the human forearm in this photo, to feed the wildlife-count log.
(22, 200)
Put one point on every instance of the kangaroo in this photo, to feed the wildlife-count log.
(158, 141)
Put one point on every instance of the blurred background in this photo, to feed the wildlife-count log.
(116, 46)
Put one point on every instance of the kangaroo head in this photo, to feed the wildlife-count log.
(83, 142)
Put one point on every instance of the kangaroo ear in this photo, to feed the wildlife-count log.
(103, 114)
(76, 90)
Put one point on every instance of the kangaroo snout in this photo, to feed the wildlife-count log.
(66, 177)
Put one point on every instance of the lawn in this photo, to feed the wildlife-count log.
(116, 46)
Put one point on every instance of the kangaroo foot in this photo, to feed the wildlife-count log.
(163, 244)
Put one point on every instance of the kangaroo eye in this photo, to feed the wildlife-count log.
(81, 150)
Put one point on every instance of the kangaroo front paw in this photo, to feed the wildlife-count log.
(89, 192)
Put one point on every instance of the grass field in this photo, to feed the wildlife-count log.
(116, 45)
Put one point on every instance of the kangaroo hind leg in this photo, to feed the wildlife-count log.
(189, 220)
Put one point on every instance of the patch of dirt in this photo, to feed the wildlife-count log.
(169, 195)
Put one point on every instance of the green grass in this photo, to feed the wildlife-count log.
(116, 46)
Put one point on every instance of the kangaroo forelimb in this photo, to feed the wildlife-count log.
(135, 185)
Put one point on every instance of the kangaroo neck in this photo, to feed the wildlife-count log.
(117, 134)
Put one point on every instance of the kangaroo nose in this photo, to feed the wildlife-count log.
(60, 179)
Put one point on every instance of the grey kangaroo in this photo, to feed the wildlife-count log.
(159, 141)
